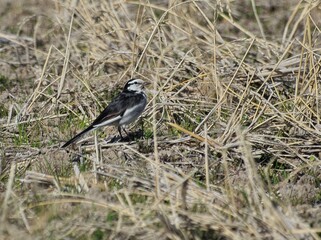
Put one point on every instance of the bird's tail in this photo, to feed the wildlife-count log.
(79, 135)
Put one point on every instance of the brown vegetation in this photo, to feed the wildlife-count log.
(231, 142)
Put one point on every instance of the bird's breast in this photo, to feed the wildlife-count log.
(132, 113)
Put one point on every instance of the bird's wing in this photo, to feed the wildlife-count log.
(115, 110)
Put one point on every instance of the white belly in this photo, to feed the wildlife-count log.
(132, 114)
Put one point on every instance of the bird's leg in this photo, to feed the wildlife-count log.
(121, 136)
(119, 130)
(125, 132)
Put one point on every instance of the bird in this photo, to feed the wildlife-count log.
(122, 110)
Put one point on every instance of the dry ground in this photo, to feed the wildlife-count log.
(231, 142)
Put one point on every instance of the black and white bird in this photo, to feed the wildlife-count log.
(123, 110)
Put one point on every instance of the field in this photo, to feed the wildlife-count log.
(229, 146)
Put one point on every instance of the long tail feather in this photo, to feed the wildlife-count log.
(79, 135)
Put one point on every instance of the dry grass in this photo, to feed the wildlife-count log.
(231, 146)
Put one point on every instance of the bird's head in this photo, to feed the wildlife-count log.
(135, 85)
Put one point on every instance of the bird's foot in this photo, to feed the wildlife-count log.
(113, 139)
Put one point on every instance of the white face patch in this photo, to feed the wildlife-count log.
(136, 85)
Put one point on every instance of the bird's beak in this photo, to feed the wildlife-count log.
(146, 84)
